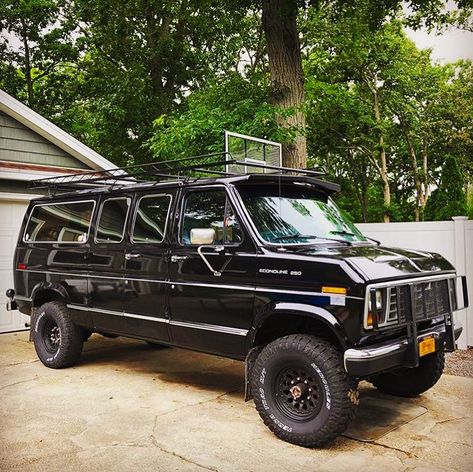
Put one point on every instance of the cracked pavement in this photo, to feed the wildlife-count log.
(126, 406)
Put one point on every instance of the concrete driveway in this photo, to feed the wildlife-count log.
(129, 407)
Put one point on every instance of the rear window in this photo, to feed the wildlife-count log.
(60, 222)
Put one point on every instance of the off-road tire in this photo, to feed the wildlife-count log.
(333, 397)
(412, 382)
(53, 321)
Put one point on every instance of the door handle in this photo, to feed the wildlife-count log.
(129, 256)
(178, 258)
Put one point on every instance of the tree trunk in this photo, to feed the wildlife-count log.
(425, 177)
(29, 80)
(417, 179)
(382, 156)
(364, 192)
(279, 21)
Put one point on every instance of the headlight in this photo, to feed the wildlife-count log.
(385, 310)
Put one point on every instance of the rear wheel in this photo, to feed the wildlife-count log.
(301, 390)
(57, 340)
(412, 382)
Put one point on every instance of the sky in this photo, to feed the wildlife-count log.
(449, 46)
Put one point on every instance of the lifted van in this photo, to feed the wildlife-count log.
(261, 267)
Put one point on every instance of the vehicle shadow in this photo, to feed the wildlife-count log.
(377, 415)
(174, 365)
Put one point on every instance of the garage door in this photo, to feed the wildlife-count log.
(11, 217)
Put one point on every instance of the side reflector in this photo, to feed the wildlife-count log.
(21, 266)
(337, 290)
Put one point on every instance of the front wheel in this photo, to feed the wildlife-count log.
(412, 382)
(301, 390)
(57, 340)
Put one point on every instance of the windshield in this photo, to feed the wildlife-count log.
(296, 215)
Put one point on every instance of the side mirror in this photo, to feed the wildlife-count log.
(202, 236)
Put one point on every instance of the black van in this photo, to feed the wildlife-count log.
(261, 267)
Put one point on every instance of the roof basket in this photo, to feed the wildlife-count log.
(184, 170)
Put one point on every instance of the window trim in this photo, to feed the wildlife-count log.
(29, 241)
(137, 206)
(270, 244)
(214, 188)
(99, 215)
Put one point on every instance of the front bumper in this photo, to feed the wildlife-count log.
(371, 360)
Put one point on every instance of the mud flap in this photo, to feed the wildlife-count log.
(249, 364)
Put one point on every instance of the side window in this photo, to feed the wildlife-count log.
(60, 222)
(151, 218)
(111, 222)
(211, 209)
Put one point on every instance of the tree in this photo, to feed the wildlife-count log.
(44, 42)
(279, 19)
(449, 199)
(234, 103)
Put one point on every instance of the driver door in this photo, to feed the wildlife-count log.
(212, 275)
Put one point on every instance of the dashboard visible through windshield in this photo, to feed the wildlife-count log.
(293, 214)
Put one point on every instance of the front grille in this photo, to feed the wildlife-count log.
(431, 300)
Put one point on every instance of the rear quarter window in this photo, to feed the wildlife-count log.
(60, 222)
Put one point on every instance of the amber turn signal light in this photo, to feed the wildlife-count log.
(335, 290)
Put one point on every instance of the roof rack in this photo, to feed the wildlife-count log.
(184, 170)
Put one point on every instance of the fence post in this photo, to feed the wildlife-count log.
(460, 266)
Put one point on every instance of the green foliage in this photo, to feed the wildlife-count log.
(449, 199)
(233, 103)
(142, 80)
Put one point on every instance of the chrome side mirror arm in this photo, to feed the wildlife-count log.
(218, 249)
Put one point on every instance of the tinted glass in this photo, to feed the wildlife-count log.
(111, 224)
(294, 215)
(150, 222)
(211, 210)
(63, 222)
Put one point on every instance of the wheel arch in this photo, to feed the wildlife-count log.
(291, 318)
(48, 292)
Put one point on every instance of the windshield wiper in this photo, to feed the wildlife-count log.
(310, 236)
(348, 233)
(343, 232)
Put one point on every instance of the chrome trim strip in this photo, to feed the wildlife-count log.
(202, 284)
(209, 327)
(196, 284)
(301, 292)
(77, 307)
(184, 324)
(22, 298)
(147, 318)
